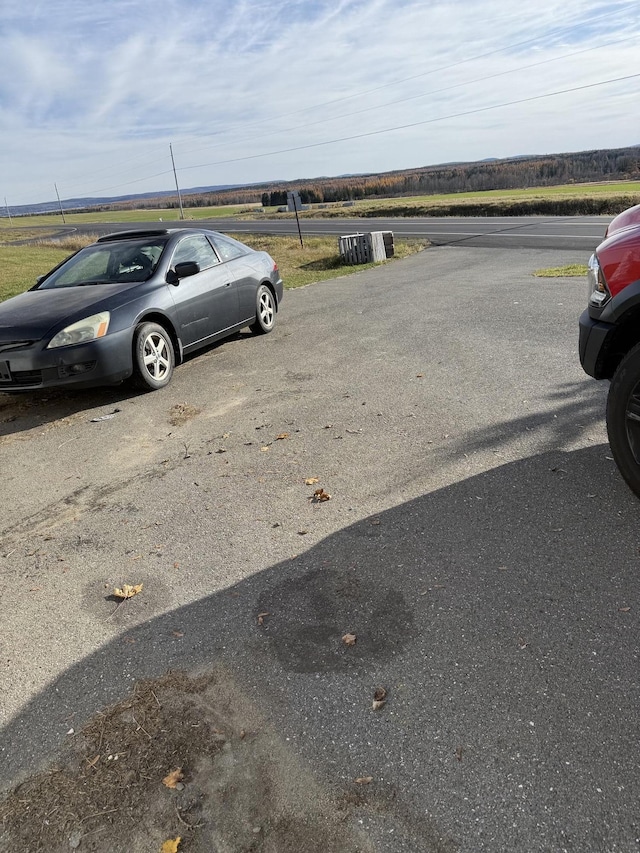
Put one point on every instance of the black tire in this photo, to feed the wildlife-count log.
(153, 357)
(265, 311)
(623, 418)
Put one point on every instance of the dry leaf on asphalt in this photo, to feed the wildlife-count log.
(262, 617)
(320, 495)
(363, 780)
(349, 639)
(282, 436)
(311, 481)
(379, 698)
(172, 779)
(171, 845)
(127, 591)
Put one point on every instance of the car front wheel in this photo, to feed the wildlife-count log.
(153, 357)
(265, 311)
(623, 418)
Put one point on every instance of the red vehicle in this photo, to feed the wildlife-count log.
(610, 336)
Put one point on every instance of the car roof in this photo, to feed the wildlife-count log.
(151, 232)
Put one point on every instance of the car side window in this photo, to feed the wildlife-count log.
(227, 247)
(196, 248)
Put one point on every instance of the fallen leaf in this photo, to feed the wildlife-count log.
(264, 449)
(302, 532)
(177, 634)
(171, 845)
(349, 639)
(363, 780)
(172, 779)
(282, 436)
(262, 617)
(93, 761)
(127, 590)
(624, 609)
(320, 495)
(311, 481)
(379, 698)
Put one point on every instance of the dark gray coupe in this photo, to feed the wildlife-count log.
(134, 304)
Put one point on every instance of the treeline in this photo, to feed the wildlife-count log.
(620, 164)
(587, 166)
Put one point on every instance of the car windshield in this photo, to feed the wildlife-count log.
(114, 262)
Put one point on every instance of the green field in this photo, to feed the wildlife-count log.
(611, 197)
(564, 190)
(159, 215)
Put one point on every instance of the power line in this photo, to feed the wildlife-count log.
(435, 91)
(547, 35)
(384, 130)
(374, 132)
(416, 123)
(559, 30)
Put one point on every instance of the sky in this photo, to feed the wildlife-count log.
(94, 92)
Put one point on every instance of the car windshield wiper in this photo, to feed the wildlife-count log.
(90, 282)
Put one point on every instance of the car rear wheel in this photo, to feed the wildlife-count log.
(623, 418)
(153, 357)
(265, 311)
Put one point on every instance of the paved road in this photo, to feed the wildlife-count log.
(479, 542)
(513, 232)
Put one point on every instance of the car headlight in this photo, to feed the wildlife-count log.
(598, 291)
(84, 330)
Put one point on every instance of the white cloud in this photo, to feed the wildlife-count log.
(91, 93)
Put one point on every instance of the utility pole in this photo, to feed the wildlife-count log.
(173, 163)
(60, 203)
(8, 211)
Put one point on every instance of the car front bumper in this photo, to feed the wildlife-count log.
(105, 361)
(593, 344)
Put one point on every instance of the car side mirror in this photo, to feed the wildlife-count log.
(183, 270)
(187, 268)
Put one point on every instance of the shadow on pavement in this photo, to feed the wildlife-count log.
(501, 614)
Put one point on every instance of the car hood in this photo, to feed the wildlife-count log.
(31, 315)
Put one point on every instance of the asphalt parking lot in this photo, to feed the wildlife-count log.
(478, 543)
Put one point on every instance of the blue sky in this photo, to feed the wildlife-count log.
(92, 92)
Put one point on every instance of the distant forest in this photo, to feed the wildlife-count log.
(620, 164)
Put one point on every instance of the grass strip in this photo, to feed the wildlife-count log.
(568, 271)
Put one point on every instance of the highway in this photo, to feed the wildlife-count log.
(504, 232)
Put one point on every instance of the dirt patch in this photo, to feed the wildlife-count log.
(181, 413)
(242, 788)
